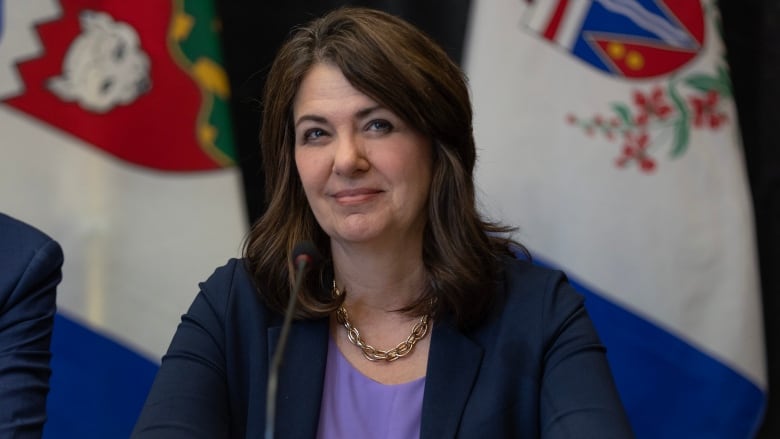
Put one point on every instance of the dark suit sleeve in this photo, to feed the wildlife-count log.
(31, 270)
(189, 397)
(578, 395)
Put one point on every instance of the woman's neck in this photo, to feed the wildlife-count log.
(380, 280)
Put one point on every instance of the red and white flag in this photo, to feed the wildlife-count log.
(117, 142)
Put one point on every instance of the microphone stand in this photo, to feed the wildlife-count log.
(302, 261)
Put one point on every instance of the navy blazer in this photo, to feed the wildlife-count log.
(30, 269)
(535, 368)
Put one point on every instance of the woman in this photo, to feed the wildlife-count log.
(368, 152)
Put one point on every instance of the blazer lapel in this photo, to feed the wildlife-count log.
(301, 377)
(453, 363)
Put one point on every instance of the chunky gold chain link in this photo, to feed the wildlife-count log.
(371, 353)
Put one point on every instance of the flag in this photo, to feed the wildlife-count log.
(118, 143)
(607, 132)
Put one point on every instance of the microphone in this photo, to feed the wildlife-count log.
(305, 256)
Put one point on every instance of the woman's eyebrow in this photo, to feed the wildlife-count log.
(368, 110)
(320, 119)
(310, 117)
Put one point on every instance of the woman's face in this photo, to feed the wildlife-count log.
(366, 172)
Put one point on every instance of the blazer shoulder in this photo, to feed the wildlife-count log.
(233, 271)
(28, 256)
(230, 290)
(523, 281)
(19, 239)
(232, 278)
(540, 299)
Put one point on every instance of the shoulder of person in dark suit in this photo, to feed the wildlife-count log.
(30, 270)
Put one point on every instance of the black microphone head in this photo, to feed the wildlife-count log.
(306, 251)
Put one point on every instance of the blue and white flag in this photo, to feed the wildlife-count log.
(607, 132)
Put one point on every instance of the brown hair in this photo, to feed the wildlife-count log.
(400, 67)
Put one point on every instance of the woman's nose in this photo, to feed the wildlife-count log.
(350, 156)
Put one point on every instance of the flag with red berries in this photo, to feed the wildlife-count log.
(607, 132)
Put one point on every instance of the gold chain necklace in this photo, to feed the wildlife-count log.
(371, 353)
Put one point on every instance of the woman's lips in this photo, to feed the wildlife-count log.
(355, 196)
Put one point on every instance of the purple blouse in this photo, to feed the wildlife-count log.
(354, 405)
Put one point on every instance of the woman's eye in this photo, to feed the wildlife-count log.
(380, 125)
(313, 134)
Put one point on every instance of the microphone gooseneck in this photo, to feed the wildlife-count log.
(305, 256)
